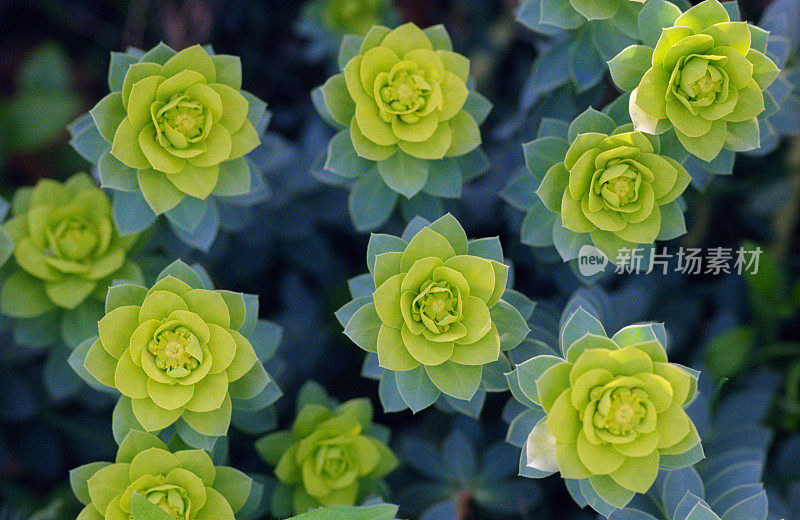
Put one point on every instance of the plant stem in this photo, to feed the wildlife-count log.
(464, 506)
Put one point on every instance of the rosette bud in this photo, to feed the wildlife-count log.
(333, 455)
(66, 253)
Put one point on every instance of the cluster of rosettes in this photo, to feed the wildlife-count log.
(333, 454)
(705, 78)
(67, 250)
(404, 103)
(600, 184)
(612, 410)
(173, 131)
(615, 185)
(185, 484)
(177, 351)
(436, 312)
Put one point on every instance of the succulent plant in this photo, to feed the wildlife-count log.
(172, 135)
(66, 253)
(610, 412)
(184, 484)
(705, 78)
(588, 34)
(348, 16)
(178, 351)
(605, 185)
(405, 114)
(436, 316)
(571, 14)
(333, 454)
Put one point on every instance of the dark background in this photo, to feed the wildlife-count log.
(301, 249)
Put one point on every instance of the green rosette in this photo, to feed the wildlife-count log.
(433, 313)
(572, 14)
(148, 480)
(408, 121)
(171, 138)
(607, 413)
(181, 353)
(601, 184)
(704, 78)
(66, 253)
(333, 454)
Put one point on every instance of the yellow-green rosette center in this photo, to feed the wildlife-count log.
(709, 84)
(623, 188)
(437, 306)
(66, 248)
(72, 239)
(172, 499)
(700, 81)
(181, 121)
(176, 350)
(403, 92)
(617, 185)
(615, 408)
(620, 411)
(334, 462)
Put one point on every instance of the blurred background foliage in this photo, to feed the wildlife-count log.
(297, 249)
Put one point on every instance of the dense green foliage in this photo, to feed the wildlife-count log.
(580, 299)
